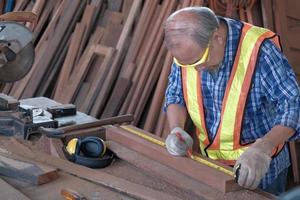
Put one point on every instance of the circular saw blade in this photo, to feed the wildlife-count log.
(20, 66)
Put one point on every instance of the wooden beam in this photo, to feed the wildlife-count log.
(28, 172)
(267, 14)
(112, 120)
(210, 176)
(113, 72)
(94, 89)
(158, 97)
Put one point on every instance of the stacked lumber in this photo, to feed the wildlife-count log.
(108, 56)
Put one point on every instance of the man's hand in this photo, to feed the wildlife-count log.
(178, 142)
(254, 163)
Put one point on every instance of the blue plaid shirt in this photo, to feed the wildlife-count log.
(274, 97)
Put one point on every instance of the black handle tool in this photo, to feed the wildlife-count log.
(237, 172)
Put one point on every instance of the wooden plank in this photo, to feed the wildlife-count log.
(56, 148)
(117, 97)
(115, 5)
(59, 56)
(70, 9)
(267, 14)
(42, 20)
(70, 65)
(144, 49)
(294, 148)
(110, 17)
(78, 75)
(129, 64)
(28, 172)
(121, 47)
(37, 9)
(210, 176)
(162, 119)
(147, 55)
(69, 60)
(117, 184)
(94, 131)
(52, 73)
(51, 146)
(293, 38)
(20, 5)
(292, 9)
(7, 88)
(19, 86)
(95, 87)
(157, 100)
(88, 19)
(111, 35)
(280, 19)
(10, 193)
(156, 39)
(112, 120)
(126, 8)
(139, 33)
(150, 82)
(2, 2)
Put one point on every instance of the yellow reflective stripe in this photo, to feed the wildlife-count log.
(193, 106)
(230, 111)
(225, 154)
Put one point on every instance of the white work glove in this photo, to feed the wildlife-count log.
(254, 163)
(178, 142)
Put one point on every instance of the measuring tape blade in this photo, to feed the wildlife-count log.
(193, 157)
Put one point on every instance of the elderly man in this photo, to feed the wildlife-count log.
(240, 92)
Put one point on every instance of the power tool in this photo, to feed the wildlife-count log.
(16, 59)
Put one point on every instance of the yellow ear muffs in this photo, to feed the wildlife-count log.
(92, 146)
(90, 151)
(72, 146)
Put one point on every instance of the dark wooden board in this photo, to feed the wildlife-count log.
(28, 172)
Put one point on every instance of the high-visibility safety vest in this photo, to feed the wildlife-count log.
(226, 146)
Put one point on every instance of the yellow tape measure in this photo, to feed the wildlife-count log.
(193, 157)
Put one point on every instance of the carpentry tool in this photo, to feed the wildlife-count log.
(193, 157)
(62, 110)
(16, 48)
(69, 194)
(16, 59)
(22, 120)
(16, 51)
(90, 151)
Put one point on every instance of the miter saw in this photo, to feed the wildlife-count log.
(16, 60)
(16, 48)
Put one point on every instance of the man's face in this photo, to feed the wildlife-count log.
(188, 52)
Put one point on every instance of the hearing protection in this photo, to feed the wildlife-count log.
(90, 151)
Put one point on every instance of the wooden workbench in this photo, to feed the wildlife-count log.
(134, 172)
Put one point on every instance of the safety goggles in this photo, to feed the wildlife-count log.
(202, 60)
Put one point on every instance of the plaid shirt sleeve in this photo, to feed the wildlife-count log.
(174, 93)
(279, 84)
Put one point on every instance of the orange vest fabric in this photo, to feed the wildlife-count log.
(226, 146)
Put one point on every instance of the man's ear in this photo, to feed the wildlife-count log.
(218, 38)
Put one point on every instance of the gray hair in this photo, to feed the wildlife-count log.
(198, 23)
